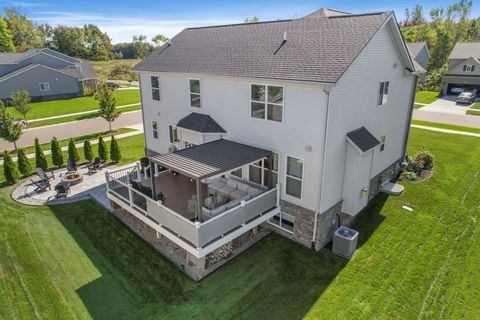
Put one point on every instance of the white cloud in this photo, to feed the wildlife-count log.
(25, 4)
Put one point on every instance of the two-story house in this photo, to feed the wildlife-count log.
(290, 125)
(463, 69)
(45, 73)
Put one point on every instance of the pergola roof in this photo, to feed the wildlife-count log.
(210, 158)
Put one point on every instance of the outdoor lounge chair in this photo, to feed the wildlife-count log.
(62, 190)
(44, 175)
(71, 166)
(41, 185)
(95, 165)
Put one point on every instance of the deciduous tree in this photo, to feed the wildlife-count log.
(107, 101)
(10, 130)
(6, 39)
(21, 102)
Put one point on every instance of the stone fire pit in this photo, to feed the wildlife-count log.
(72, 178)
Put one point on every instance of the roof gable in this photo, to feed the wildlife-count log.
(458, 69)
(465, 50)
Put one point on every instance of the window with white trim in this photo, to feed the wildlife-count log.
(155, 129)
(383, 93)
(259, 171)
(195, 93)
(172, 134)
(468, 68)
(44, 86)
(283, 221)
(155, 83)
(266, 102)
(294, 177)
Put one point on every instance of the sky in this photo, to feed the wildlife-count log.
(123, 19)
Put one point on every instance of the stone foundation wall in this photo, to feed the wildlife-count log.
(388, 174)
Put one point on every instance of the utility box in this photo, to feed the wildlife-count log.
(345, 242)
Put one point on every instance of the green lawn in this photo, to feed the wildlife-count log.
(61, 107)
(78, 262)
(476, 105)
(425, 97)
(446, 126)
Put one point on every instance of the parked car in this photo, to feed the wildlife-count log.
(466, 97)
(112, 85)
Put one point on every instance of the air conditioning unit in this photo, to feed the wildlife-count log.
(345, 242)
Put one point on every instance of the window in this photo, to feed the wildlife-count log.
(383, 93)
(187, 144)
(259, 172)
(267, 102)
(237, 173)
(283, 221)
(294, 177)
(195, 93)
(44, 86)
(155, 88)
(173, 134)
(468, 68)
(155, 129)
(383, 139)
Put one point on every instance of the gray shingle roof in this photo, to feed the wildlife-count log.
(18, 71)
(317, 49)
(11, 57)
(363, 139)
(414, 48)
(210, 158)
(465, 50)
(200, 123)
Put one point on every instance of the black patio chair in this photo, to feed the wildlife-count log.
(71, 166)
(41, 185)
(62, 190)
(44, 175)
(95, 165)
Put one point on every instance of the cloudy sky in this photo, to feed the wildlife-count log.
(123, 19)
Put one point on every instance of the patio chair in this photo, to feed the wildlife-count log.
(71, 166)
(41, 185)
(44, 175)
(62, 190)
(95, 165)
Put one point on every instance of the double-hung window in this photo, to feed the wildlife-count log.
(383, 93)
(155, 129)
(259, 172)
(195, 93)
(44, 86)
(468, 68)
(294, 177)
(266, 102)
(155, 88)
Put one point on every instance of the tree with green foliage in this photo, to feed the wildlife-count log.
(97, 44)
(115, 153)
(88, 151)
(102, 149)
(10, 130)
(20, 100)
(40, 160)
(141, 46)
(25, 34)
(23, 163)
(10, 170)
(57, 154)
(159, 40)
(107, 101)
(251, 20)
(72, 150)
(6, 39)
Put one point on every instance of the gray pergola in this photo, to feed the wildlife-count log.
(210, 159)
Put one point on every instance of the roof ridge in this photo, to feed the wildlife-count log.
(239, 24)
(361, 14)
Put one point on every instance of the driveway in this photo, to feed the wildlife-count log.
(73, 129)
(446, 104)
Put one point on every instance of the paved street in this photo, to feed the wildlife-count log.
(73, 129)
(448, 118)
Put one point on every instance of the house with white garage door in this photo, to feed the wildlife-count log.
(463, 69)
(290, 126)
(45, 73)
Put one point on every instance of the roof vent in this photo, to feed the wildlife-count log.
(285, 36)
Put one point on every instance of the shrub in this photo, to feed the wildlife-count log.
(24, 165)
(10, 171)
(89, 91)
(410, 175)
(87, 151)
(40, 160)
(102, 149)
(115, 153)
(72, 151)
(424, 158)
(57, 154)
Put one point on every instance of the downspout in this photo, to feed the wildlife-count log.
(326, 89)
(143, 115)
(410, 114)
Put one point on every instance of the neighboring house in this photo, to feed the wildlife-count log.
(290, 125)
(463, 69)
(420, 57)
(46, 74)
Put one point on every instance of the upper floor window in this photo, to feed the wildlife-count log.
(383, 93)
(294, 177)
(44, 86)
(468, 68)
(195, 93)
(155, 88)
(267, 102)
(155, 129)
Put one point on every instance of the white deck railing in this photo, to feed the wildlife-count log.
(198, 235)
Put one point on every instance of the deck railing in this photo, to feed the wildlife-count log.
(197, 234)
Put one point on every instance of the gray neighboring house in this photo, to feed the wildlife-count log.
(420, 56)
(45, 73)
(463, 69)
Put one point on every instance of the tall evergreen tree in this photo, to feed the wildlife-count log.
(88, 150)
(40, 160)
(115, 154)
(72, 151)
(57, 154)
(24, 165)
(102, 149)
(10, 171)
